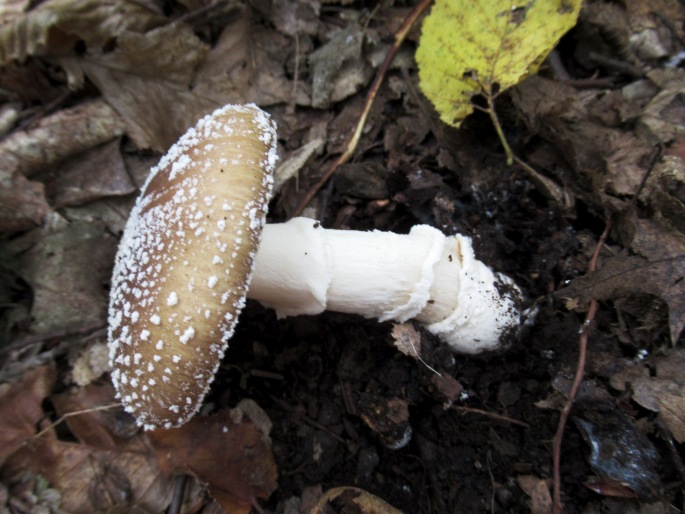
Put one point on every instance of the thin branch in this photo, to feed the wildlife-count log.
(557, 507)
(370, 97)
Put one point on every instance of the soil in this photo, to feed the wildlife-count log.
(429, 432)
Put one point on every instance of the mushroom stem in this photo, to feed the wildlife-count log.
(302, 268)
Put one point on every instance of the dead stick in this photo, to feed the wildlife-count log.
(352, 143)
(577, 380)
(493, 415)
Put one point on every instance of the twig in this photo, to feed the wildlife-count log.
(352, 143)
(493, 415)
(27, 341)
(75, 413)
(557, 507)
(498, 127)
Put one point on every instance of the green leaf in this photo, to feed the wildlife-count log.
(469, 48)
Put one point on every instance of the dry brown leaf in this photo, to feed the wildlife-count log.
(662, 191)
(327, 63)
(108, 471)
(94, 174)
(67, 270)
(21, 408)
(22, 202)
(227, 451)
(247, 65)
(60, 135)
(537, 489)
(294, 17)
(659, 269)
(665, 392)
(93, 480)
(407, 339)
(672, 412)
(353, 499)
(97, 428)
(54, 26)
(147, 80)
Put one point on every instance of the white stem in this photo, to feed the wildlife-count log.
(302, 268)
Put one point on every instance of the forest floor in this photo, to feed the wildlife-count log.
(93, 93)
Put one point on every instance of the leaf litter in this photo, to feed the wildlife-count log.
(93, 92)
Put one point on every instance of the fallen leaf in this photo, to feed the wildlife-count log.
(60, 135)
(628, 274)
(147, 80)
(92, 480)
(247, 65)
(92, 175)
(21, 408)
(67, 270)
(672, 412)
(106, 472)
(663, 393)
(22, 202)
(53, 27)
(97, 424)
(353, 499)
(227, 451)
(537, 489)
(470, 48)
(327, 62)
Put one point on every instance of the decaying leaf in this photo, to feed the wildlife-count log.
(537, 490)
(147, 80)
(22, 202)
(67, 269)
(94, 174)
(56, 137)
(657, 268)
(471, 48)
(21, 408)
(353, 499)
(343, 49)
(663, 393)
(228, 451)
(54, 26)
(107, 469)
(246, 65)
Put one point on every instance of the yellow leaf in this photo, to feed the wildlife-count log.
(483, 47)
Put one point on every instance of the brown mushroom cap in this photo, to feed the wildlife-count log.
(185, 261)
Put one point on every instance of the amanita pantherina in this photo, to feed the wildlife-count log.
(186, 257)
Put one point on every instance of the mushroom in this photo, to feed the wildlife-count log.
(192, 245)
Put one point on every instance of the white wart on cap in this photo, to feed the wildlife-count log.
(185, 262)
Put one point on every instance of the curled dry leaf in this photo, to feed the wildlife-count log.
(21, 408)
(537, 489)
(54, 27)
(147, 80)
(227, 451)
(353, 499)
(658, 269)
(663, 393)
(327, 63)
(66, 270)
(60, 135)
(22, 202)
(105, 470)
(92, 175)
